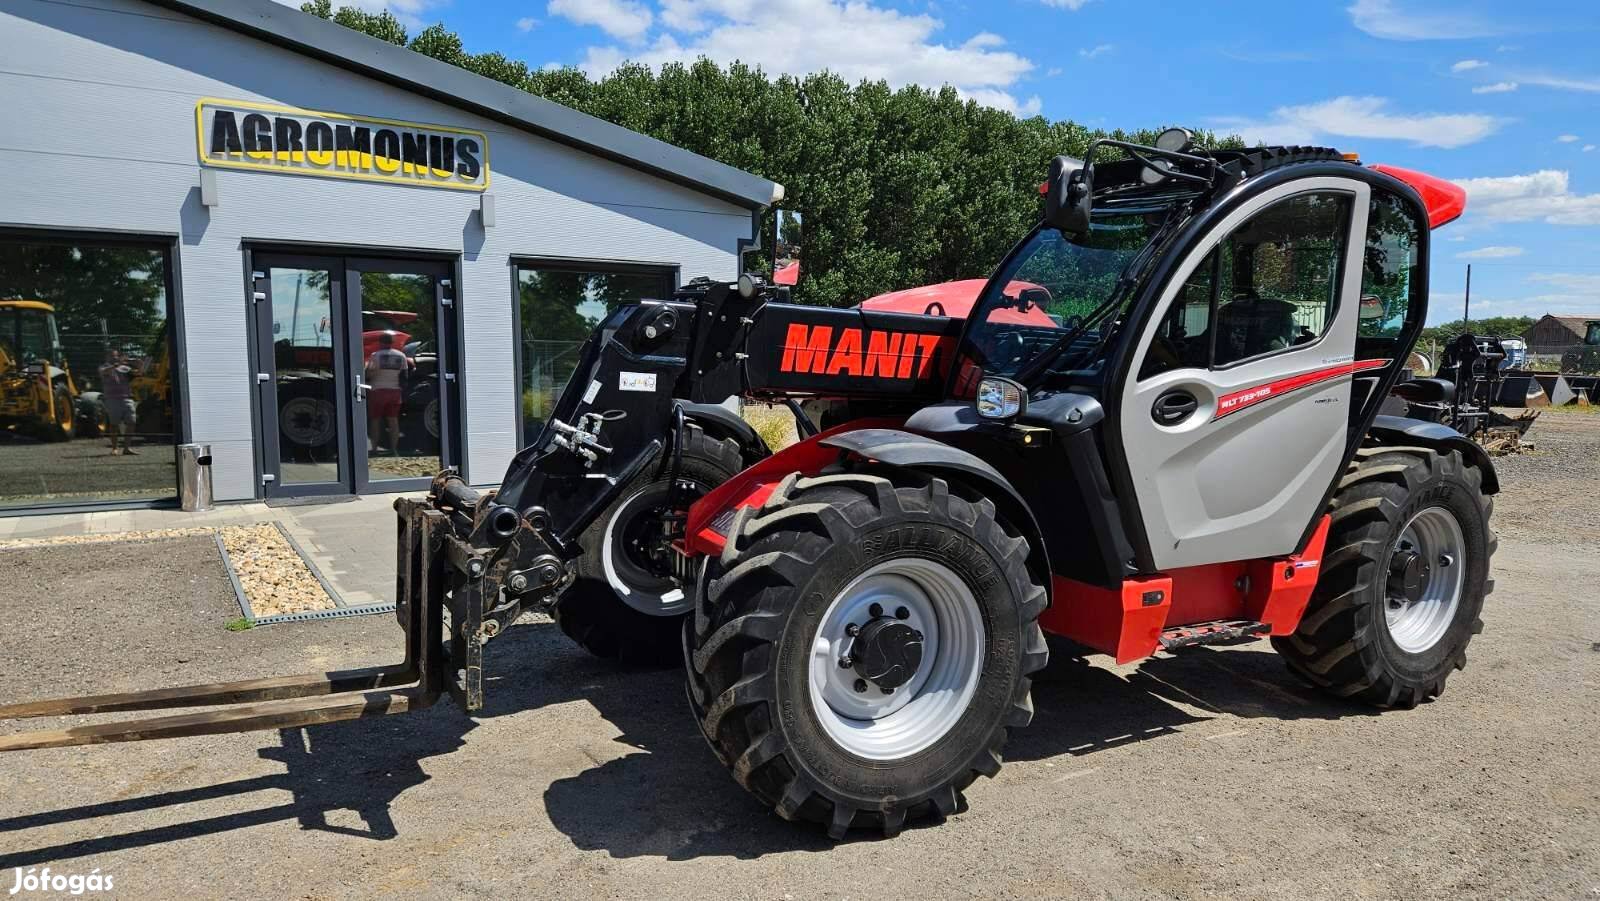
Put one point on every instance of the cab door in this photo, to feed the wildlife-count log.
(1235, 413)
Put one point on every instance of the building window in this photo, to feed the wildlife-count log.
(86, 374)
(559, 306)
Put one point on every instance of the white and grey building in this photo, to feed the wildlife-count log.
(215, 213)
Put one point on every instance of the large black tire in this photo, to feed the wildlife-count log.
(1344, 643)
(762, 603)
(593, 611)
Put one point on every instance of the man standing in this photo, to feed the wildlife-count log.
(117, 397)
(384, 372)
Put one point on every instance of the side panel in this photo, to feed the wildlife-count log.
(1242, 476)
(817, 350)
(1127, 622)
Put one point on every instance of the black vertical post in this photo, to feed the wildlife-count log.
(1466, 305)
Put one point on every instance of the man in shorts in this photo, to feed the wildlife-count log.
(385, 372)
(116, 396)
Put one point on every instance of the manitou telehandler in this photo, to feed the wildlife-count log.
(1157, 427)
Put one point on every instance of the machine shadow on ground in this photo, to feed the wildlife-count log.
(669, 798)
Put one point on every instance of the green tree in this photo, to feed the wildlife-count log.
(1493, 326)
(898, 187)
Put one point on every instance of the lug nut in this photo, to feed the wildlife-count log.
(852, 630)
(519, 582)
(845, 662)
(902, 613)
(861, 685)
(875, 610)
(887, 691)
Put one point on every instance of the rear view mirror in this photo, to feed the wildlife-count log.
(1371, 307)
(1031, 297)
(1067, 195)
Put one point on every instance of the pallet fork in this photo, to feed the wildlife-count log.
(438, 573)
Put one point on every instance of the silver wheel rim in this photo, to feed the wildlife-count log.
(889, 726)
(1417, 625)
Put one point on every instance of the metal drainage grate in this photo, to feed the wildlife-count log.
(336, 613)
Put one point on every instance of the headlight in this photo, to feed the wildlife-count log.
(1000, 398)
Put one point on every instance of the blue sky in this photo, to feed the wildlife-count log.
(1502, 98)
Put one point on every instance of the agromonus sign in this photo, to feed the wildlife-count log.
(236, 134)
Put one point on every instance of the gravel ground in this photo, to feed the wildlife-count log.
(1212, 773)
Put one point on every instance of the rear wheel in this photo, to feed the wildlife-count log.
(624, 602)
(1403, 579)
(860, 650)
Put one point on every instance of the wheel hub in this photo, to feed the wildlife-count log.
(886, 653)
(896, 658)
(1408, 575)
(1426, 579)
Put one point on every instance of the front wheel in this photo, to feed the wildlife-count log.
(861, 649)
(1403, 581)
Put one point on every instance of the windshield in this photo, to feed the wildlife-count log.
(1059, 299)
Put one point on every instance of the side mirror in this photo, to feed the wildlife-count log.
(1371, 307)
(1067, 195)
(1035, 296)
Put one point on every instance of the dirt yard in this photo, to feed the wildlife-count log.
(1209, 774)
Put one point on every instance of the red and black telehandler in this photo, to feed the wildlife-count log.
(1158, 427)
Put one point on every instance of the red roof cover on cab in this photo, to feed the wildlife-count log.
(956, 299)
(1445, 200)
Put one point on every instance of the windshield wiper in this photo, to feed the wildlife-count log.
(1125, 282)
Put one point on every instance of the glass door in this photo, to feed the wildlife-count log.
(355, 387)
(403, 392)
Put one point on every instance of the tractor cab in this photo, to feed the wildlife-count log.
(1220, 324)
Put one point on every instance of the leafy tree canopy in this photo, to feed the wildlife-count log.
(1493, 326)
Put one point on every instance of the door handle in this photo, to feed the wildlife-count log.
(1174, 407)
(361, 391)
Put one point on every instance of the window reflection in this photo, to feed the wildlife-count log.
(86, 387)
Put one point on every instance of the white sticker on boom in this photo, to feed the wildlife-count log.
(636, 381)
(593, 389)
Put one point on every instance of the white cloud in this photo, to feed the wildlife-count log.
(1542, 196)
(1492, 252)
(855, 39)
(1054, 71)
(1567, 139)
(1362, 117)
(1096, 50)
(526, 23)
(1467, 65)
(623, 19)
(1582, 85)
(1499, 87)
(1588, 148)
(1073, 5)
(1383, 19)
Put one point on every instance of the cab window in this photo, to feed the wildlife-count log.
(1391, 277)
(1271, 285)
